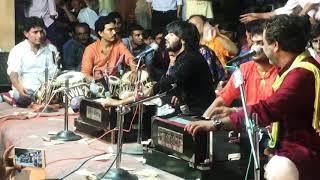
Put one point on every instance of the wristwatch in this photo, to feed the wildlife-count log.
(217, 124)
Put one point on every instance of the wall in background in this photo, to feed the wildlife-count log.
(7, 25)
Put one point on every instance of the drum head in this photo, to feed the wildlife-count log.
(74, 77)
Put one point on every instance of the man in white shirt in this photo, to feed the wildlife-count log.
(28, 60)
(162, 12)
(308, 7)
(91, 14)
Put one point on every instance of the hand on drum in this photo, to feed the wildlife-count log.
(133, 77)
(109, 102)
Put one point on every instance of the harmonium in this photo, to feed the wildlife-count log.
(95, 120)
(202, 150)
(168, 136)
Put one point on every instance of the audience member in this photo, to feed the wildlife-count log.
(162, 12)
(135, 43)
(315, 42)
(210, 36)
(293, 7)
(148, 36)
(117, 17)
(63, 22)
(73, 49)
(76, 6)
(201, 7)
(90, 15)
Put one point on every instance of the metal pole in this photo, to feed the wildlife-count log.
(66, 105)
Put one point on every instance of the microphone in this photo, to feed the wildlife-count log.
(152, 47)
(254, 51)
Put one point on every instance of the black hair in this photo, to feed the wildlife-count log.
(101, 22)
(187, 32)
(115, 14)
(135, 27)
(291, 32)
(255, 27)
(83, 25)
(147, 33)
(315, 31)
(32, 22)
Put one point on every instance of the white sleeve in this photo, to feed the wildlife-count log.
(179, 2)
(149, 1)
(14, 61)
(287, 8)
(81, 17)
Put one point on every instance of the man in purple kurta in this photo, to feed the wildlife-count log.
(293, 103)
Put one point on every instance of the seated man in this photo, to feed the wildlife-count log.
(194, 86)
(73, 49)
(105, 53)
(135, 43)
(28, 60)
(258, 74)
(294, 107)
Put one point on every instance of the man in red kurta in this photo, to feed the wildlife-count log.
(294, 104)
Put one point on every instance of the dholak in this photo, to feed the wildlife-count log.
(77, 84)
(127, 87)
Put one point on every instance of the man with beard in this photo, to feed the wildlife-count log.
(194, 91)
(104, 54)
(294, 107)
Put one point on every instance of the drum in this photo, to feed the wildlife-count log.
(127, 87)
(77, 84)
(114, 85)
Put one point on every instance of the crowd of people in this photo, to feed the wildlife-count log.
(281, 83)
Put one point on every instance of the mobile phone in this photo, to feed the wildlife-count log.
(29, 157)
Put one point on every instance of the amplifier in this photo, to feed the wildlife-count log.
(168, 135)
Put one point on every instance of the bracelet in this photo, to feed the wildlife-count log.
(217, 124)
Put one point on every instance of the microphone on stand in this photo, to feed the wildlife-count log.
(254, 51)
(152, 47)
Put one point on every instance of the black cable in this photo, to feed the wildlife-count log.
(110, 166)
(81, 165)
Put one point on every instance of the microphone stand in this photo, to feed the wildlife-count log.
(66, 135)
(46, 109)
(137, 148)
(122, 110)
(252, 127)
